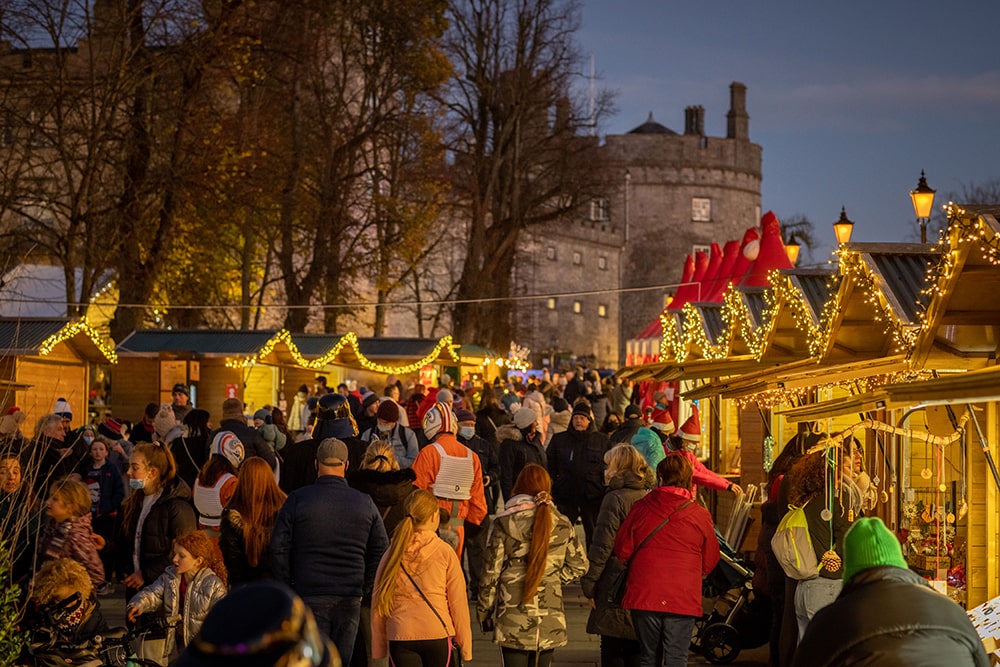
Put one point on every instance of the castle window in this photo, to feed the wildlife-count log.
(600, 209)
(577, 257)
(551, 303)
(602, 263)
(577, 307)
(602, 310)
(701, 209)
(550, 252)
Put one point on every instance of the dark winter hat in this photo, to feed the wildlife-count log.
(633, 412)
(368, 399)
(259, 624)
(388, 411)
(463, 415)
(111, 428)
(583, 408)
(180, 389)
(559, 404)
(869, 544)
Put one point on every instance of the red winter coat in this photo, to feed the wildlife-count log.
(666, 573)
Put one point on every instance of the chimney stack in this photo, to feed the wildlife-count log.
(737, 120)
(694, 120)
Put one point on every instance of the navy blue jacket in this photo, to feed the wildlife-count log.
(112, 491)
(328, 540)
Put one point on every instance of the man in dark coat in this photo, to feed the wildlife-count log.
(333, 420)
(633, 422)
(234, 420)
(576, 464)
(331, 569)
(887, 614)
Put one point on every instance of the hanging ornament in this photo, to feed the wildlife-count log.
(951, 517)
(876, 480)
(768, 452)
(963, 509)
(926, 473)
(928, 513)
(850, 515)
(826, 514)
(885, 497)
(831, 561)
(942, 488)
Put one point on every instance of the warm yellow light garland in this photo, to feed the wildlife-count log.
(71, 330)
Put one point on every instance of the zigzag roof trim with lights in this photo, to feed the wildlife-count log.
(915, 308)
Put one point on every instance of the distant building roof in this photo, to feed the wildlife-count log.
(652, 127)
(39, 291)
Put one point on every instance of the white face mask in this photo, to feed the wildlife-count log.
(466, 431)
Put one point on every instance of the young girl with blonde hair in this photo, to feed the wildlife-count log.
(419, 606)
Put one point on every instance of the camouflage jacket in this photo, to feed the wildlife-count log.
(537, 624)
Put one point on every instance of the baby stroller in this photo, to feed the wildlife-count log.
(731, 621)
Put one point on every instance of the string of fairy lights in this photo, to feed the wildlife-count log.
(685, 332)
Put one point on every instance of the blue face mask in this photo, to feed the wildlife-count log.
(137, 484)
(466, 431)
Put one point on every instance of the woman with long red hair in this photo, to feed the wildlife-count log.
(533, 550)
(247, 522)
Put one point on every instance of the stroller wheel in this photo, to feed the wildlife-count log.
(720, 643)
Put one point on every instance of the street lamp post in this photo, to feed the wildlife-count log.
(843, 228)
(923, 200)
(792, 249)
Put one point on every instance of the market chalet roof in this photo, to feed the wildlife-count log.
(243, 348)
(920, 306)
(40, 336)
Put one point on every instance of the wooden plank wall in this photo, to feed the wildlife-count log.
(981, 563)
(57, 375)
(134, 383)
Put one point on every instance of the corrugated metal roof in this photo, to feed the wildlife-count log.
(754, 298)
(25, 336)
(396, 348)
(711, 317)
(209, 342)
(905, 276)
(816, 287)
(313, 346)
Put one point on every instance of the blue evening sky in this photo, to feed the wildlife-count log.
(849, 100)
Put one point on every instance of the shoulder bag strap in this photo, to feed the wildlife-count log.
(412, 581)
(665, 521)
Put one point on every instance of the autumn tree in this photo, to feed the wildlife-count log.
(343, 86)
(518, 134)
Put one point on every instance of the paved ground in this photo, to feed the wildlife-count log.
(583, 649)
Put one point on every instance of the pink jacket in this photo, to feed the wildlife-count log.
(74, 539)
(700, 475)
(435, 567)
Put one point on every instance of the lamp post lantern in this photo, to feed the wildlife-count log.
(792, 249)
(843, 228)
(923, 200)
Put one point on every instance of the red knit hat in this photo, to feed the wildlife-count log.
(691, 428)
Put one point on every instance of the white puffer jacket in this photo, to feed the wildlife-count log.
(204, 590)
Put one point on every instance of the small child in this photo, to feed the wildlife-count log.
(107, 491)
(63, 586)
(186, 591)
(68, 534)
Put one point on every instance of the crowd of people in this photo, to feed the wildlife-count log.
(383, 525)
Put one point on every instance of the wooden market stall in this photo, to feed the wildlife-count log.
(872, 349)
(42, 360)
(263, 367)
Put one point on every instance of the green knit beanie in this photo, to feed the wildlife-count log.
(869, 544)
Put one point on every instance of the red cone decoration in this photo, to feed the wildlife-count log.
(772, 253)
(721, 281)
(685, 292)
